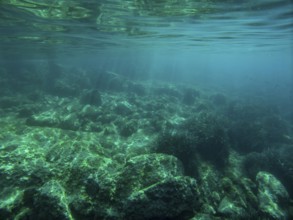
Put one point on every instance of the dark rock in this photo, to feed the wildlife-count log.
(91, 97)
(128, 129)
(145, 170)
(69, 122)
(27, 111)
(51, 202)
(82, 208)
(90, 112)
(204, 216)
(11, 203)
(246, 136)
(173, 198)
(179, 145)
(123, 108)
(136, 89)
(92, 185)
(110, 81)
(277, 130)
(151, 186)
(207, 134)
(276, 160)
(203, 134)
(189, 96)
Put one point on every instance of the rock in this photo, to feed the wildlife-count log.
(51, 202)
(90, 112)
(137, 89)
(26, 111)
(229, 209)
(44, 119)
(189, 96)
(203, 216)
(123, 108)
(173, 198)
(127, 129)
(203, 134)
(69, 122)
(276, 160)
(91, 97)
(151, 186)
(11, 200)
(272, 195)
(145, 170)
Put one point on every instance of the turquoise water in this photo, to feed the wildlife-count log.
(146, 109)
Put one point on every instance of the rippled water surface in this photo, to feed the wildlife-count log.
(202, 25)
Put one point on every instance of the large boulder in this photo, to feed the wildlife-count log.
(202, 134)
(173, 198)
(272, 195)
(152, 186)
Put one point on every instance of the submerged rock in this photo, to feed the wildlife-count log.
(145, 170)
(173, 198)
(11, 203)
(44, 119)
(229, 209)
(137, 89)
(128, 129)
(51, 202)
(272, 196)
(276, 160)
(123, 108)
(91, 97)
(203, 134)
(190, 96)
(151, 186)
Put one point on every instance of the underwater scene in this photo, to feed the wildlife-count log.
(146, 110)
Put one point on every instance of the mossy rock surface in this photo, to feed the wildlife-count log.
(172, 198)
(145, 170)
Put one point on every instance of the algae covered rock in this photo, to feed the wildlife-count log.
(91, 97)
(145, 170)
(123, 108)
(190, 96)
(229, 209)
(202, 134)
(44, 119)
(173, 198)
(51, 202)
(11, 199)
(276, 160)
(152, 186)
(272, 195)
(127, 129)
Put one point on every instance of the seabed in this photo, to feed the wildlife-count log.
(130, 149)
